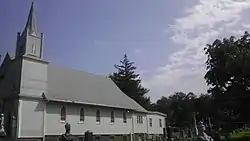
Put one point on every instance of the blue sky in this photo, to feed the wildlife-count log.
(164, 38)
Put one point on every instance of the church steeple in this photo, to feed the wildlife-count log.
(30, 41)
(31, 22)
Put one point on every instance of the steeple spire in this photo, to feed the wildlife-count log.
(30, 42)
(31, 27)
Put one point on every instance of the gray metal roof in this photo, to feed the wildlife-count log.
(81, 87)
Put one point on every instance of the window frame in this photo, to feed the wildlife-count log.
(81, 115)
(63, 114)
(112, 117)
(150, 122)
(160, 122)
(98, 117)
(124, 117)
(140, 119)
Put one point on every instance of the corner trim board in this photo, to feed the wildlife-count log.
(19, 117)
(44, 119)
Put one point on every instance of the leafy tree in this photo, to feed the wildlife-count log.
(179, 107)
(129, 82)
(205, 107)
(183, 106)
(228, 75)
(163, 105)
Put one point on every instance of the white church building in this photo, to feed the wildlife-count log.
(38, 98)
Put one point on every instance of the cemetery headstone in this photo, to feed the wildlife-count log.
(89, 136)
(2, 130)
(202, 136)
(217, 136)
(189, 133)
(182, 133)
(169, 133)
(67, 136)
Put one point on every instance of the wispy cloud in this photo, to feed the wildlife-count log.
(246, 25)
(203, 23)
(138, 51)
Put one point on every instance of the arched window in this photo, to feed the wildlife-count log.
(124, 117)
(98, 118)
(112, 117)
(63, 114)
(150, 122)
(82, 115)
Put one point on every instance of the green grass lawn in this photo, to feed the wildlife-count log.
(239, 134)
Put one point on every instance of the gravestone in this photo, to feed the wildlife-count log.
(2, 130)
(169, 133)
(67, 136)
(202, 136)
(182, 133)
(189, 134)
(89, 136)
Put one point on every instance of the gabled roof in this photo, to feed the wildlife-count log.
(81, 87)
(157, 113)
(7, 59)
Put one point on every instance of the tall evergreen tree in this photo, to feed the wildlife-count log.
(129, 82)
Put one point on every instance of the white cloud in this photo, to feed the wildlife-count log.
(203, 23)
(246, 25)
(138, 51)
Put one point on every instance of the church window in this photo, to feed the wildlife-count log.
(112, 117)
(82, 115)
(160, 122)
(98, 117)
(124, 117)
(139, 119)
(63, 114)
(150, 122)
